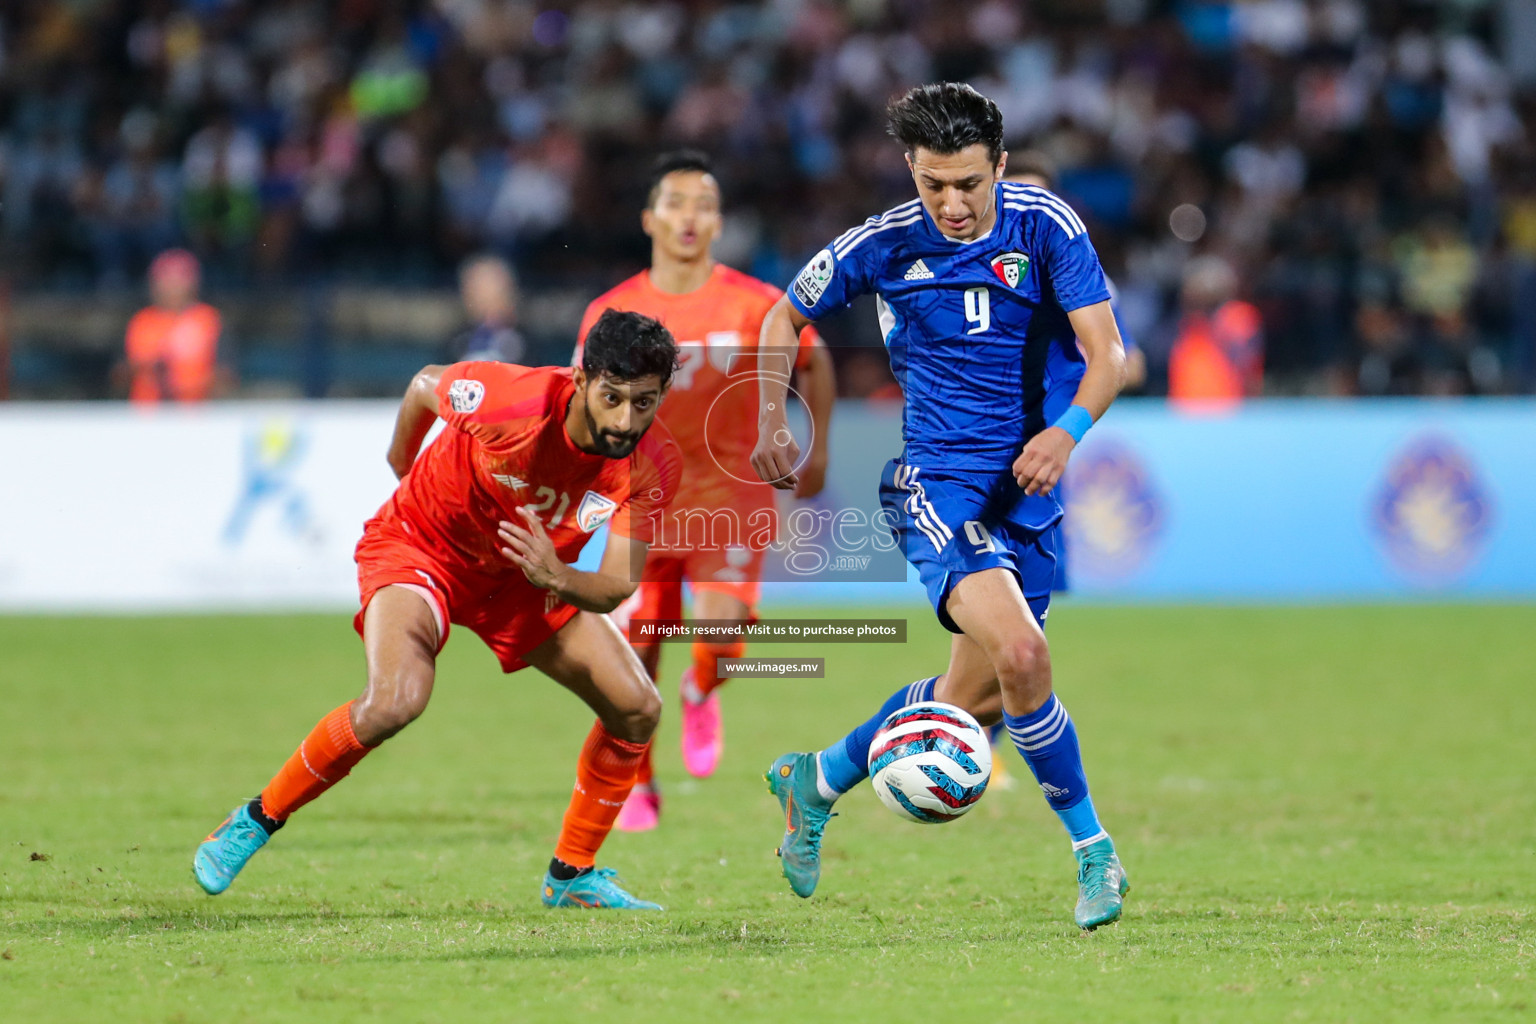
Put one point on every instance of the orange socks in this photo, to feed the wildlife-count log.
(604, 776)
(325, 757)
(706, 663)
(645, 771)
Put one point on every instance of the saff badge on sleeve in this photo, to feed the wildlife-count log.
(465, 395)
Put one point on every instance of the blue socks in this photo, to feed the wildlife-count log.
(845, 764)
(1048, 742)
(1046, 738)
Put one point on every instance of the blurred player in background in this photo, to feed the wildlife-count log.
(172, 345)
(716, 315)
(1217, 359)
(982, 288)
(489, 290)
(480, 533)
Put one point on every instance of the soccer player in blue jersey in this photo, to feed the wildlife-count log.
(1034, 168)
(981, 287)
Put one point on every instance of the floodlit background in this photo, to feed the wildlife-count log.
(1336, 198)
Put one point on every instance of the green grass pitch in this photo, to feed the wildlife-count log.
(1327, 814)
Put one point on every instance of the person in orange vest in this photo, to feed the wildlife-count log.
(1218, 356)
(172, 344)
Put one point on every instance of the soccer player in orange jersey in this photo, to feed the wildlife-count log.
(172, 344)
(480, 533)
(715, 535)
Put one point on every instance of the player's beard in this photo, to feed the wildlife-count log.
(610, 443)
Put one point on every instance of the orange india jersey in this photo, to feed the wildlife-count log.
(711, 407)
(505, 446)
(171, 353)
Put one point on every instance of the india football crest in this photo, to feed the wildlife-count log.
(1010, 267)
(594, 511)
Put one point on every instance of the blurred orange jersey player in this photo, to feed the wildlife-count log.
(481, 532)
(715, 531)
(172, 344)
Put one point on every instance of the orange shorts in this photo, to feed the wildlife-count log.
(506, 611)
(732, 571)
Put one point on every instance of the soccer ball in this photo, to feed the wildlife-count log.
(930, 762)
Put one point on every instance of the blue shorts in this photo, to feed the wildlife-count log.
(952, 522)
(1062, 584)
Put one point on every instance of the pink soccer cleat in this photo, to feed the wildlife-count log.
(641, 812)
(703, 732)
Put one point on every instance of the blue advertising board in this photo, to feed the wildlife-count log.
(1282, 500)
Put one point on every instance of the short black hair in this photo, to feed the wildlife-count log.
(627, 346)
(1035, 164)
(672, 162)
(946, 117)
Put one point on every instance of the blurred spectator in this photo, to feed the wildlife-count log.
(221, 170)
(1218, 355)
(172, 345)
(137, 213)
(489, 290)
(1306, 140)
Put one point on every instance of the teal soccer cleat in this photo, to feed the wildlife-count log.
(594, 890)
(220, 857)
(1101, 885)
(792, 778)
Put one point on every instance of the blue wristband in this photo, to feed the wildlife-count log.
(1075, 421)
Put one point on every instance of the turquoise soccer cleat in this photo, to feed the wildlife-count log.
(792, 778)
(220, 857)
(1101, 885)
(594, 890)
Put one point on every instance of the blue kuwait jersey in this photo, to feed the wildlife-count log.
(977, 331)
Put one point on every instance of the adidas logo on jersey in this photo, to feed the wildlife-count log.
(509, 481)
(918, 272)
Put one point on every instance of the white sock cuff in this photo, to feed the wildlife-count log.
(828, 794)
(1084, 843)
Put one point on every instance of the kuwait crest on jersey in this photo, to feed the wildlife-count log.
(1010, 267)
(594, 511)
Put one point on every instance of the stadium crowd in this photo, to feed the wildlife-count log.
(1367, 167)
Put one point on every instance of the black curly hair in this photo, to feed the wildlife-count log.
(628, 346)
(946, 117)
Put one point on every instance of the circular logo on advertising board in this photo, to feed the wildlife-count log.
(1114, 514)
(1433, 510)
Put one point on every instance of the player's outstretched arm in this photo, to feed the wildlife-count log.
(527, 546)
(418, 410)
(1044, 459)
(776, 453)
(818, 385)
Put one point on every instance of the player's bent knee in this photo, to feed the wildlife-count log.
(637, 721)
(1023, 663)
(382, 712)
(377, 723)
